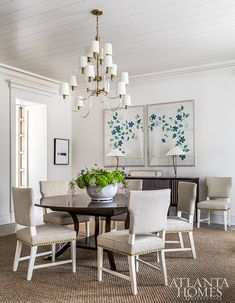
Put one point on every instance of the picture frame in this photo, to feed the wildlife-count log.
(145, 173)
(171, 124)
(127, 128)
(61, 151)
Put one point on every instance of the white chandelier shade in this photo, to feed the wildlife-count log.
(64, 90)
(99, 71)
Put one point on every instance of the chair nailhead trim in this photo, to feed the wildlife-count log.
(215, 209)
(179, 231)
(135, 254)
(48, 243)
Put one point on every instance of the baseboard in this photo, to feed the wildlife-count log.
(5, 219)
(218, 218)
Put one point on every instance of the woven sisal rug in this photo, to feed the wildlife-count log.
(209, 278)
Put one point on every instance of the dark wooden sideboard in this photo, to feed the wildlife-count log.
(163, 182)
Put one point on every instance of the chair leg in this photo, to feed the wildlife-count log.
(102, 226)
(136, 263)
(73, 255)
(87, 229)
(209, 217)
(181, 239)
(53, 248)
(17, 254)
(31, 262)
(225, 220)
(99, 263)
(132, 270)
(163, 267)
(198, 217)
(229, 217)
(190, 234)
(158, 259)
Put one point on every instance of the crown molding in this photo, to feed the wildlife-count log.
(184, 71)
(31, 88)
(27, 73)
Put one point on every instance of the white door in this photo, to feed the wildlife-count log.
(36, 136)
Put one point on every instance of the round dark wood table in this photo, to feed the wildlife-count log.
(81, 204)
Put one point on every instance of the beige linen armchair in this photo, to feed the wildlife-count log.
(218, 199)
(38, 235)
(60, 188)
(148, 215)
(187, 193)
(131, 185)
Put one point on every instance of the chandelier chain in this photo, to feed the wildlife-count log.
(97, 28)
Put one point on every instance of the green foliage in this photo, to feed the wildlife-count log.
(100, 177)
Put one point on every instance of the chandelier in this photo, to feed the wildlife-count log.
(101, 77)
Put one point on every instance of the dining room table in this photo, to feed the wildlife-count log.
(81, 204)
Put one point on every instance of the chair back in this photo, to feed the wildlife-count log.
(187, 193)
(24, 206)
(54, 188)
(148, 210)
(134, 184)
(219, 187)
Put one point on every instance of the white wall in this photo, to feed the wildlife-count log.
(36, 89)
(214, 95)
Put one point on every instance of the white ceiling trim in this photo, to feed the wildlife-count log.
(184, 71)
(141, 77)
(31, 88)
(22, 71)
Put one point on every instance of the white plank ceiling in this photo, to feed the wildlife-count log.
(47, 37)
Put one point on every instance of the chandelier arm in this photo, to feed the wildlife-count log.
(89, 107)
(112, 98)
(113, 109)
(88, 112)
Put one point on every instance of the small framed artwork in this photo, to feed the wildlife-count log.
(61, 151)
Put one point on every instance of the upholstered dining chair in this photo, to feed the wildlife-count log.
(218, 199)
(148, 214)
(131, 185)
(59, 188)
(38, 235)
(187, 193)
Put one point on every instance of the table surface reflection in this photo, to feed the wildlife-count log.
(82, 204)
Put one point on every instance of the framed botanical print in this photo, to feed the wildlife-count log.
(171, 124)
(124, 130)
(61, 151)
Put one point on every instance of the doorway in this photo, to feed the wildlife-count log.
(31, 145)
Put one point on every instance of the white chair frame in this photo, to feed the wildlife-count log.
(33, 255)
(133, 265)
(181, 241)
(227, 214)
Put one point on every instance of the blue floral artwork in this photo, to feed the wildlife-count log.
(169, 125)
(124, 131)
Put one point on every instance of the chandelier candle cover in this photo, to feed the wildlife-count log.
(100, 73)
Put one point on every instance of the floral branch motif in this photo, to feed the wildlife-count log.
(123, 130)
(172, 127)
